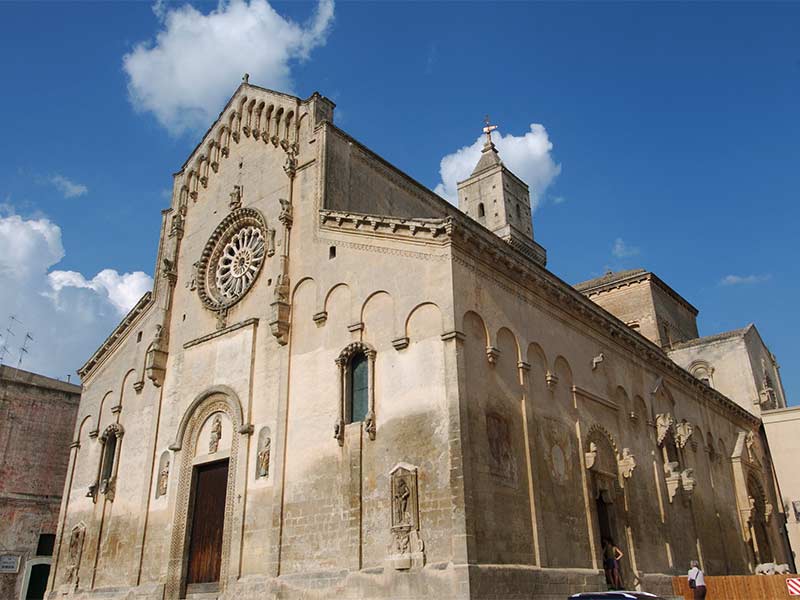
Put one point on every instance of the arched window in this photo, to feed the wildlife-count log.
(358, 392)
(356, 389)
(109, 462)
(481, 211)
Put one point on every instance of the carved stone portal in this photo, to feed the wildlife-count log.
(406, 550)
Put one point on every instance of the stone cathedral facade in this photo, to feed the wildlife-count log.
(343, 386)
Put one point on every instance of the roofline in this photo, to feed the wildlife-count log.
(228, 104)
(634, 277)
(23, 377)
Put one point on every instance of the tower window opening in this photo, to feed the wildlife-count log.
(481, 211)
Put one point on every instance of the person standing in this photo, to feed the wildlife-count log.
(611, 556)
(697, 580)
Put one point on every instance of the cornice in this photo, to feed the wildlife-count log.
(428, 230)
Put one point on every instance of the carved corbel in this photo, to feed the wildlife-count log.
(491, 354)
(290, 166)
(285, 216)
(176, 227)
(279, 322)
(673, 479)
(551, 380)
(168, 270)
(688, 481)
(626, 464)
(156, 358)
(664, 424)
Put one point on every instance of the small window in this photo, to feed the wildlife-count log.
(519, 212)
(331, 252)
(139, 337)
(46, 543)
(358, 402)
(109, 451)
(481, 211)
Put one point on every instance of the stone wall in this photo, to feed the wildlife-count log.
(37, 415)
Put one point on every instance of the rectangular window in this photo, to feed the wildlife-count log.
(45, 545)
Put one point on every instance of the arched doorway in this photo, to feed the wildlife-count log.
(759, 515)
(207, 448)
(608, 503)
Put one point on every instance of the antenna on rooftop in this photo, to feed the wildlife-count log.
(23, 350)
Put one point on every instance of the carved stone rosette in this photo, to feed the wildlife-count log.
(406, 550)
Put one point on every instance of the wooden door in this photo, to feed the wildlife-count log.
(208, 519)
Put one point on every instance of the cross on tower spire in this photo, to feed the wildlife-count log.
(488, 129)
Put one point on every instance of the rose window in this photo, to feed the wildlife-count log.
(232, 259)
(240, 262)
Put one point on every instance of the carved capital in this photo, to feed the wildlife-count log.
(551, 380)
(492, 354)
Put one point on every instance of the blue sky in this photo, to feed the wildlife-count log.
(665, 137)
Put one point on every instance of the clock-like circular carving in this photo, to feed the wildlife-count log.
(232, 259)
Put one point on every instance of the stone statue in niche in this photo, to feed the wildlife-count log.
(501, 456)
(263, 458)
(683, 431)
(163, 480)
(75, 550)
(216, 435)
(406, 550)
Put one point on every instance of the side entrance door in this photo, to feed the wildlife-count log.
(207, 522)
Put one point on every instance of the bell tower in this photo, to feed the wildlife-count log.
(499, 200)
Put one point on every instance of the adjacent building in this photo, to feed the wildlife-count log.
(37, 418)
(342, 385)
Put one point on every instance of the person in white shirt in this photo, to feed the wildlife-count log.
(697, 580)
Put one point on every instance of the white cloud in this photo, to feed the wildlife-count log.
(67, 314)
(528, 156)
(70, 189)
(621, 249)
(185, 76)
(743, 279)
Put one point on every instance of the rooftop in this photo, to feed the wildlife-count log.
(10, 374)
